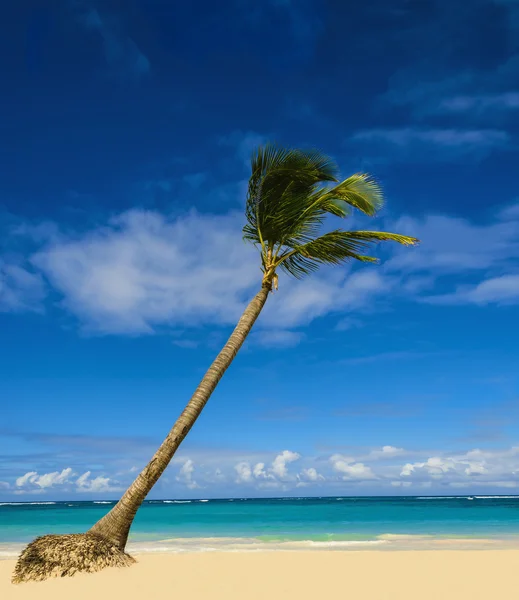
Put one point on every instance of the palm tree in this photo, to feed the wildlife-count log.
(290, 194)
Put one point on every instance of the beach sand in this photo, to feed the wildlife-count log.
(366, 575)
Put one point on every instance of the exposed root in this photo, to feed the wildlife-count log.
(65, 555)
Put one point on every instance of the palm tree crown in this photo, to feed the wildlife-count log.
(289, 197)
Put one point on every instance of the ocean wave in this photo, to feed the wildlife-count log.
(175, 501)
(438, 497)
(203, 500)
(485, 497)
(183, 545)
(102, 502)
(23, 503)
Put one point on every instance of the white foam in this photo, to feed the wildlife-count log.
(204, 500)
(102, 502)
(437, 497)
(337, 544)
(484, 497)
(23, 503)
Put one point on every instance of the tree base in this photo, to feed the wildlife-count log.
(66, 555)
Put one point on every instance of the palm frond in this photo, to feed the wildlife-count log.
(360, 191)
(288, 199)
(279, 176)
(335, 248)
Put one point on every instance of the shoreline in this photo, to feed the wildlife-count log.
(383, 543)
(370, 575)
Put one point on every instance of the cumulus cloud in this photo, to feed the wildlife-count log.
(98, 484)
(244, 471)
(349, 469)
(310, 475)
(47, 480)
(32, 482)
(185, 475)
(276, 473)
(485, 466)
(279, 465)
(386, 452)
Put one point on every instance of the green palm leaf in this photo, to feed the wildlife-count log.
(335, 248)
(289, 197)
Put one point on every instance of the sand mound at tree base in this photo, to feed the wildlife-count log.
(66, 555)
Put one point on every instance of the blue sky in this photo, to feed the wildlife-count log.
(126, 135)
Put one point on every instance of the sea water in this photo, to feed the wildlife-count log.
(278, 523)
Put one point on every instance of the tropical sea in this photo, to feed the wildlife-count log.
(354, 523)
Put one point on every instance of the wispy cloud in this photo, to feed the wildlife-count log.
(387, 356)
(143, 270)
(496, 290)
(21, 289)
(277, 338)
(425, 144)
(455, 245)
(121, 53)
(480, 103)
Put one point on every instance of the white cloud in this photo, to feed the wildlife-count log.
(350, 469)
(311, 474)
(259, 471)
(143, 270)
(449, 244)
(47, 480)
(279, 464)
(386, 452)
(435, 466)
(244, 471)
(97, 485)
(185, 475)
(20, 289)
(32, 482)
(27, 478)
(496, 290)
(277, 473)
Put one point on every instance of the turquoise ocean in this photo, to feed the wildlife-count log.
(281, 523)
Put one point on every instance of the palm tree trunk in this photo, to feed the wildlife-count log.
(115, 525)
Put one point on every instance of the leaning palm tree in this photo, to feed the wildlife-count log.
(290, 194)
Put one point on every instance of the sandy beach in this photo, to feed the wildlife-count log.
(367, 575)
